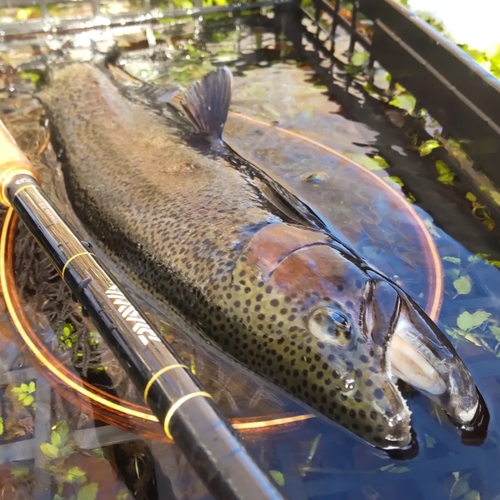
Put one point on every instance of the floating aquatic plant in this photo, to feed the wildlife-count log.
(26, 393)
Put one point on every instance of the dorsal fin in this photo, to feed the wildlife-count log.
(207, 101)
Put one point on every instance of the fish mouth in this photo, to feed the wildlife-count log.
(420, 355)
(414, 350)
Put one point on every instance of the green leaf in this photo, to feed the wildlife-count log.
(495, 330)
(29, 75)
(22, 396)
(404, 101)
(399, 470)
(463, 285)
(454, 260)
(28, 400)
(20, 472)
(411, 198)
(24, 387)
(472, 495)
(55, 438)
(278, 477)
(467, 321)
(1, 426)
(63, 429)
(396, 180)
(122, 495)
(445, 176)
(430, 442)
(360, 58)
(453, 273)
(16, 390)
(461, 487)
(76, 475)
(32, 387)
(428, 146)
(88, 492)
(375, 163)
(471, 197)
(49, 450)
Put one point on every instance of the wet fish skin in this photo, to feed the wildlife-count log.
(192, 223)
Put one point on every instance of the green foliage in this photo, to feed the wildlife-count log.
(394, 469)
(469, 321)
(428, 146)
(371, 163)
(25, 393)
(68, 336)
(404, 101)
(488, 60)
(278, 477)
(21, 473)
(57, 453)
(460, 489)
(76, 475)
(454, 260)
(446, 176)
(463, 285)
(430, 442)
(88, 492)
(360, 58)
(60, 446)
(30, 75)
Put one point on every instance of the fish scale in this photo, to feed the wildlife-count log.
(197, 225)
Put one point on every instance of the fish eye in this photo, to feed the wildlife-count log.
(330, 325)
(340, 319)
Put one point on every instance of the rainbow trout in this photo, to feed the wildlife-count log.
(242, 258)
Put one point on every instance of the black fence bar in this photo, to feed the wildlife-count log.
(463, 97)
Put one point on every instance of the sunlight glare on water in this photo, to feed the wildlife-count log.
(472, 23)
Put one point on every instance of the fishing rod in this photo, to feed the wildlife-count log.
(187, 412)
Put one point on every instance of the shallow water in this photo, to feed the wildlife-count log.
(287, 122)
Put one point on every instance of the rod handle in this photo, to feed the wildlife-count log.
(13, 162)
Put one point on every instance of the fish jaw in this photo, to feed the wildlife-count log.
(423, 357)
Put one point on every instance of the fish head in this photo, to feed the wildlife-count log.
(339, 335)
(352, 332)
